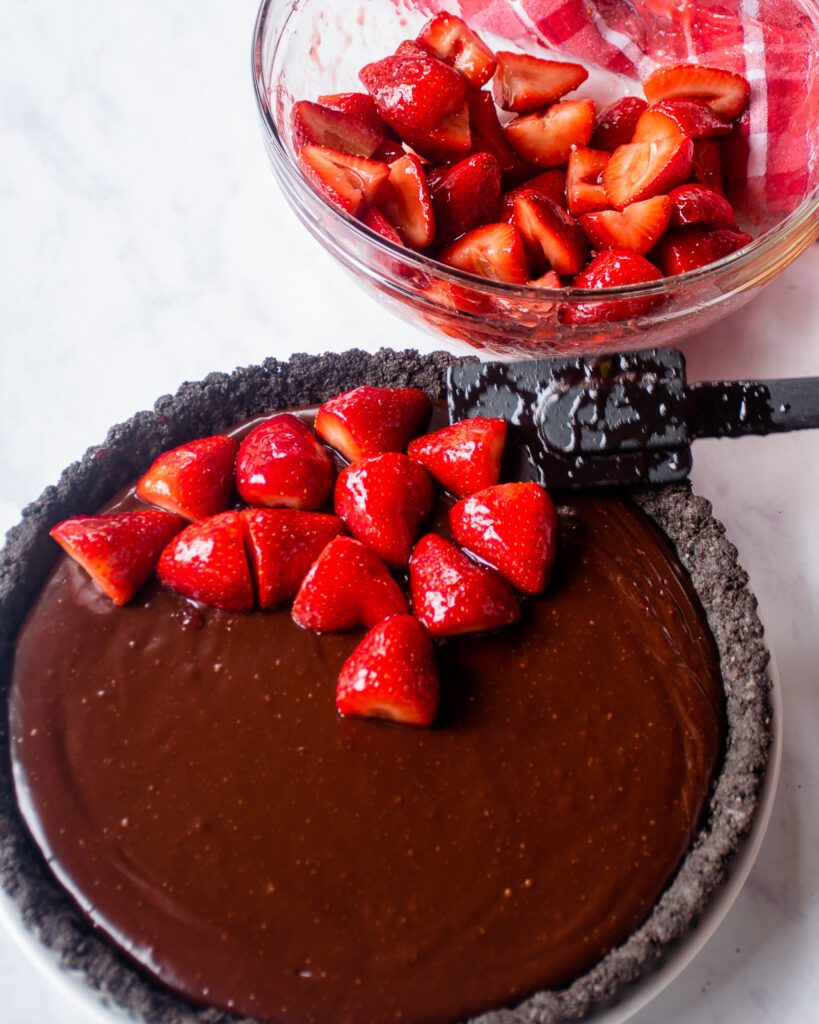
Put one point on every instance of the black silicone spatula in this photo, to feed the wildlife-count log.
(619, 419)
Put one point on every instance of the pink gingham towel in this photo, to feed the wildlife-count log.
(770, 42)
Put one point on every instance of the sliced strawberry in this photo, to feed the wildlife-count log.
(118, 551)
(464, 195)
(347, 586)
(282, 465)
(692, 248)
(553, 239)
(414, 93)
(282, 544)
(494, 251)
(388, 151)
(392, 674)
(315, 125)
(406, 202)
(376, 221)
(615, 124)
(724, 92)
(464, 457)
(368, 421)
(383, 500)
(520, 174)
(486, 132)
(207, 562)
(546, 139)
(548, 280)
(680, 117)
(638, 228)
(696, 204)
(451, 39)
(452, 595)
(584, 180)
(645, 169)
(361, 106)
(348, 181)
(512, 527)
(412, 48)
(194, 480)
(451, 140)
(551, 184)
(524, 83)
(613, 268)
(709, 164)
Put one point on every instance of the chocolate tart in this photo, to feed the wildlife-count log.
(217, 403)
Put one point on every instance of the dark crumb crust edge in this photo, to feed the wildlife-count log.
(211, 405)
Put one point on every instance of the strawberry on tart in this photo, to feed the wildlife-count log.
(202, 777)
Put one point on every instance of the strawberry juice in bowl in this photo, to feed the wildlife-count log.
(312, 50)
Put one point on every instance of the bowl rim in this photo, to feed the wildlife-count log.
(743, 259)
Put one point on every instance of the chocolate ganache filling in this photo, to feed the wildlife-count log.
(186, 775)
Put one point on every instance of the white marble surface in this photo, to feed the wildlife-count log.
(144, 242)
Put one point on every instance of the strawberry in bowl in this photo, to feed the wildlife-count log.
(405, 153)
(403, 157)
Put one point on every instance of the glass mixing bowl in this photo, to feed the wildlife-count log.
(303, 48)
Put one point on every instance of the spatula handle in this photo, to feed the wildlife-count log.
(736, 408)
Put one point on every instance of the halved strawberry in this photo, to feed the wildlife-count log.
(512, 527)
(207, 562)
(645, 169)
(282, 544)
(464, 195)
(368, 420)
(383, 500)
(194, 480)
(486, 132)
(452, 595)
(692, 248)
(612, 269)
(282, 465)
(551, 184)
(118, 551)
(494, 251)
(696, 204)
(548, 280)
(680, 117)
(391, 674)
(361, 106)
(724, 91)
(546, 139)
(406, 201)
(414, 93)
(315, 125)
(350, 182)
(553, 239)
(451, 140)
(584, 180)
(638, 228)
(524, 83)
(451, 39)
(709, 164)
(346, 587)
(376, 221)
(412, 48)
(388, 151)
(465, 456)
(615, 124)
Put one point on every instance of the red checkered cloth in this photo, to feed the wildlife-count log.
(771, 42)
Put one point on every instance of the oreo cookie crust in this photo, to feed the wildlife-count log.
(221, 400)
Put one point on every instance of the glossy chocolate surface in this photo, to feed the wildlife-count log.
(186, 774)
